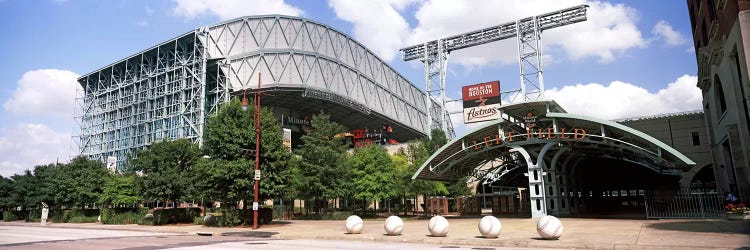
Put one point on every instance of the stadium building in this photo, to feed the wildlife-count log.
(721, 36)
(168, 91)
(534, 158)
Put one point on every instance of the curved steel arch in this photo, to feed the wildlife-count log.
(301, 53)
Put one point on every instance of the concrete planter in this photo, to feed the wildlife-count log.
(732, 216)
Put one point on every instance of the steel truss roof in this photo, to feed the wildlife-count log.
(167, 91)
(479, 154)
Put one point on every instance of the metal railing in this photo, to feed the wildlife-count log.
(684, 204)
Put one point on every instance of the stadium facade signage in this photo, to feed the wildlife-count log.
(548, 133)
(481, 101)
(297, 121)
(530, 120)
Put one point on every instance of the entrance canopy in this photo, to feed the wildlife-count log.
(542, 134)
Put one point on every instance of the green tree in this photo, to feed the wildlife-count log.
(433, 144)
(23, 189)
(223, 180)
(321, 172)
(6, 186)
(119, 190)
(166, 168)
(373, 174)
(459, 187)
(49, 186)
(403, 177)
(417, 153)
(229, 130)
(230, 134)
(81, 181)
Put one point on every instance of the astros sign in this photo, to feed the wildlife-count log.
(481, 102)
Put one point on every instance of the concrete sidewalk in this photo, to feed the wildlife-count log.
(516, 232)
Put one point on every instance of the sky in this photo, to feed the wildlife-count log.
(629, 59)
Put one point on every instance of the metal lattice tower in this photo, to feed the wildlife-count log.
(434, 67)
(528, 32)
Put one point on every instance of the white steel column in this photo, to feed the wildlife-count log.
(443, 58)
(537, 191)
(428, 62)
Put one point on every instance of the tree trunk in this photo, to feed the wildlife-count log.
(364, 208)
(389, 205)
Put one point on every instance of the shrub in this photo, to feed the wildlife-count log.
(148, 219)
(35, 215)
(90, 214)
(198, 220)
(231, 217)
(175, 215)
(54, 215)
(13, 215)
(123, 215)
(265, 215)
(225, 218)
(82, 219)
(210, 220)
(235, 217)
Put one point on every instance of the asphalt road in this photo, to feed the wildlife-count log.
(28, 237)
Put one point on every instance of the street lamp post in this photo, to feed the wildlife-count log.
(257, 150)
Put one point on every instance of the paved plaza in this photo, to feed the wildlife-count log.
(516, 232)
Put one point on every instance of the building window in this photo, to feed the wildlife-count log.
(722, 103)
(696, 139)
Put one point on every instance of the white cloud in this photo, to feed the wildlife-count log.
(690, 50)
(377, 24)
(623, 100)
(609, 32)
(142, 23)
(44, 92)
(27, 145)
(663, 30)
(228, 9)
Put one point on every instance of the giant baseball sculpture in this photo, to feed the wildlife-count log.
(438, 226)
(354, 224)
(549, 227)
(490, 227)
(394, 225)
